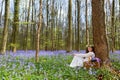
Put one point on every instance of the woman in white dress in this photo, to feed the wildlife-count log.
(79, 59)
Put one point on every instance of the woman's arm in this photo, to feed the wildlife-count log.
(85, 55)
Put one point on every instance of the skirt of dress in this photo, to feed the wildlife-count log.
(77, 61)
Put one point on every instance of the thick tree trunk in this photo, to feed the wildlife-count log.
(99, 33)
(5, 29)
(38, 32)
(69, 45)
(15, 25)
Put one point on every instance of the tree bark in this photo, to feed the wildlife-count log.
(5, 29)
(113, 26)
(99, 33)
(75, 35)
(47, 10)
(38, 31)
(78, 25)
(119, 21)
(87, 29)
(52, 25)
(119, 10)
(33, 25)
(27, 30)
(1, 13)
(70, 26)
(58, 34)
(15, 25)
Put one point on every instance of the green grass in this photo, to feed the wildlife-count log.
(49, 68)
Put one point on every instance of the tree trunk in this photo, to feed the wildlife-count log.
(99, 33)
(27, 30)
(113, 26)
(119, 21)
(75, 29)
(75, 40)
(5, 29)
(52, 25)
(23, 36)
(87, 30)
(33, 26)
(47, 10)
(24, 26)
(58, 34)
(38, 31)
(1, 13)
(78, 25)
(69, 45)
(107, 23)
(15, 25)
(119, 10)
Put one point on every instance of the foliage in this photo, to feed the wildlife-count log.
(13, 45)
(22, 66)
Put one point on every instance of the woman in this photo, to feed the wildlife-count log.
(79, 59)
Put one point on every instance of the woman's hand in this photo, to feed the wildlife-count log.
(90, 58)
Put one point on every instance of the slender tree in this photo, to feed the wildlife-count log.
(22, 27)
(47, 15)
(75, 35)
(5, 29)
(1, 12)
(78, 25)
(119, 21)
(59, 20)
(70, 26)
(52, 24)
(33, 25)
(27, 30)
(99, 33)
(38, 31)
(119, 10)
(87, 29)
(15, 25)
(107, 22)
(113, 26)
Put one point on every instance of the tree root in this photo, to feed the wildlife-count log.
(112, 70)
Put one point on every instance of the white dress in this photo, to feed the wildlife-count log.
(80, 58)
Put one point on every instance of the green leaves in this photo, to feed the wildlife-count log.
(49, 67)
(14, 45)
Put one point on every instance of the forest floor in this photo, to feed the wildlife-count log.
(52, 65)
